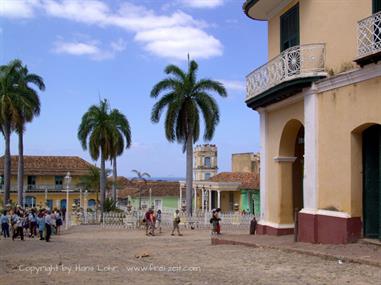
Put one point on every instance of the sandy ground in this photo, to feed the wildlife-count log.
(90, 255)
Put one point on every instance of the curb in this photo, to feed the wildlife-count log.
(332, 257)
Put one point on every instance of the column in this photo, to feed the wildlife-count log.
(210, 199)
(310, 154)
(263, 156)
(181, 198)
(195, 199)
(218, 198)
(202, 199)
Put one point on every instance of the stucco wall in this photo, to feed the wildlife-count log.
(275, 172)
(333, 22)
(341, 112)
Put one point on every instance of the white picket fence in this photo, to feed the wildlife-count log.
(134, 220)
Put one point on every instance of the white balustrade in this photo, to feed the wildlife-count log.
(369, 35)
(293, 63)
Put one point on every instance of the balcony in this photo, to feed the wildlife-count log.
(40, 188)
(285, 75)
(369, 40)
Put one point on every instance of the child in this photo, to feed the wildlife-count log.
(32, 223)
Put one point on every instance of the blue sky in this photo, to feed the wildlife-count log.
(118, 50)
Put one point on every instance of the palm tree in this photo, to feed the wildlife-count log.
(29, 109)
(140, 177)
(123, 140)
(185, 98)
(10, 99)
(96, 133)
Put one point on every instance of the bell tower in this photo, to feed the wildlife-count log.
(205, 162)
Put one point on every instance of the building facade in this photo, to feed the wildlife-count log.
(205, 161)
(246, 162)
(318, 98)
(44, 181)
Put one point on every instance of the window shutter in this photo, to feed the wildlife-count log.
(376, 6)
(289, 28)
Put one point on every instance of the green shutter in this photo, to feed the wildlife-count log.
(376, 7)
(372, 181)
(289, 28)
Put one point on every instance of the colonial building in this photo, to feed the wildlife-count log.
(163, 195)
(230, 191)
(205, 161)
(319, 98)
(44, 181)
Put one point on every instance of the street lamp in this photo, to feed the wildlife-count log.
(68, 181)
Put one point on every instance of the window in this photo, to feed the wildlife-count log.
(49, 204)
(91, 203)
(63, 204)
(289, 28)
(207, 162)
(376, 7)
(59, 182)
(1, 181)
(31, 182)
(30, 201)
(207, 176)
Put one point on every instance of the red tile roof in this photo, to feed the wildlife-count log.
(49, 165)
(248, 180)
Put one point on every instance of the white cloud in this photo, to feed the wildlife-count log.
(202, 3)
(92, 49)
(169, 36)
(18, 8)
(233, 85)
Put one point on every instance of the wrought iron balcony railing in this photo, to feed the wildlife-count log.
(369, 36)
(293, 63)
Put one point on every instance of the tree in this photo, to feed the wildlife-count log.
(91, 181)
(122, 130)
(28, 109)
(140, 177)
(184, 97)
(96, 133)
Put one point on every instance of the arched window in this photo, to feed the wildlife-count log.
(207, 161)
(91, 203)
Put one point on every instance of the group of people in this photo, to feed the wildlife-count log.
(18, 223)
(152, 221)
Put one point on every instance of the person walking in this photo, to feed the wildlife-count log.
(48, 226)
(58, 221)
(32, 223)
(176, 223)
(41, 224)
(158, 220)
(215, 221)
(4, 219)
(18, 219)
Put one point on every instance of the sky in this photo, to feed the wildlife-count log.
(87, 50)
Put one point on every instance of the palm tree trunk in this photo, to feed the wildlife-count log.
(7, 163)
(102, 183)
(20, 170)
(189, 173)
(114, 176)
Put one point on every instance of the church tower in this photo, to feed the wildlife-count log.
(205, 162)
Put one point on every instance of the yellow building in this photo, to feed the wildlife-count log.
(319, 99)
(44, 181)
